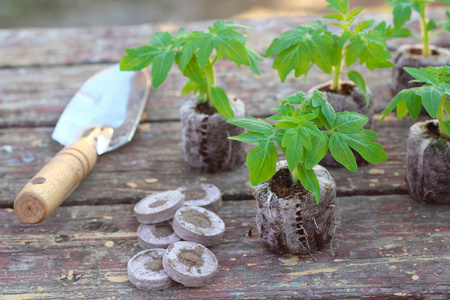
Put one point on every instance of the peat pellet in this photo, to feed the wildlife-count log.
(190, 264)
(159, 235)
(204, 195)
(146, 272)
(197, 224)
(159, 207)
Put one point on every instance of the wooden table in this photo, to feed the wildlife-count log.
(386, 245)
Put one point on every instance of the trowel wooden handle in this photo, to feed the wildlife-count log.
(54, 182)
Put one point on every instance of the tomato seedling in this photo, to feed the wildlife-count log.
(402, 10)
(195, 53)
(297, 133)
(312, 44)
(433, 95)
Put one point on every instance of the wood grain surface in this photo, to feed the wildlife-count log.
(386, 245)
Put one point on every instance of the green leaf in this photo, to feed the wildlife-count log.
(423, 75)
(181, 33)
(161, 39)
(446, 124)
(402, 110)
(248, 137)
(322, 52)
(375, 56)
(161, 67)
(221, 102)
(349, 121)
(370, 151)
(292, 141)
(319, 100)
(413, 103)
(139, 58)
(205, 49)
(296, 56)
(279, 138)
(309, 181)
(341, 152)
(354, 13)
(228, 24)
(431, 25)
(187, 53)
(431, 98)
(402, 13)
(354, 50)
(233, 49)
(364, 25)
(252, 124)
(447, 107)
(193, 71)
(343, 39)
(262, 161)
(360, 83)
(339, 5)
(286, 40)
(190, 86)
(336, 16)
(401, 32)
(254, 58)
(402, 95)
(294, 136)
(319, 148)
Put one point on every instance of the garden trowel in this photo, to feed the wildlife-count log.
(102, 116)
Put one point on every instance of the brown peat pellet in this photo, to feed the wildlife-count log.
(159, 207)
(190, 264)
(159, 235)
(146, 271)
(202, 194)
(197, 224)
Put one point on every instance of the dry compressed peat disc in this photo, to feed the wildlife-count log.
(197, 224)
(146, 272)
(158, 207)
(204, 194)
(159, 235)
(190, 264)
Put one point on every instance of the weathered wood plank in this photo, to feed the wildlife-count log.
(385, 246)
(37, 96)
(129, 173)
(44, 47)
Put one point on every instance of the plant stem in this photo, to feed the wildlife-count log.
(425, 37)
(295, 176)
(208, 76)
(441, 119)
(337, 70)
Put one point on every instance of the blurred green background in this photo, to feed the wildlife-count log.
(70, 13)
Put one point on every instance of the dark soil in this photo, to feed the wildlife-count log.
(416, 51)
(281, 185)
(433, 130)
(346, 89)
(205, 108)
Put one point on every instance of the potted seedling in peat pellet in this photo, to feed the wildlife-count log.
(204, 130)
(296, 198)
(312, 44)
(428, 150)
(416, 56)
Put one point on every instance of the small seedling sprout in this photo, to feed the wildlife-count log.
(195, 53)
(402, 10)
(297, 133)
(433, 95)
(312, 44)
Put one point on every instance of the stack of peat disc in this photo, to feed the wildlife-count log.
(183, 222)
